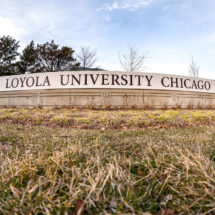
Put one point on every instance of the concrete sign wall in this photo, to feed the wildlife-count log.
(105, 80)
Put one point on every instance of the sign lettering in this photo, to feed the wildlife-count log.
(101, 79)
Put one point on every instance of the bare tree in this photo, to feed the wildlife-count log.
(133, 61)
(194, 68)
(86, 57)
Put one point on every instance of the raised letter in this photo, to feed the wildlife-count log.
(138, 78)
(162, 81)
(37, 80)
(94, 80)
(174, 82)
(46, 81)
(185, 83)
(7, 83)
(22, 81)
(85, 79)
(115, 78)
(200, 86)
(61, 80)
(131, 80)
(78, 81)
(194, 84)
(207, 85)
(17, 83)
(27, 81)
(181, 83)
(105, 79)
(149, 80)
(123, 77)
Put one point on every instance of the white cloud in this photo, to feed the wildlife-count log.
(183, 6)
(209, 38)
(45, 20)
(107, 18)
(113, 6)
(8, 27)
(165, 8)
(126, 4)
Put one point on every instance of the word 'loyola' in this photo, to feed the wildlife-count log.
(27, 82)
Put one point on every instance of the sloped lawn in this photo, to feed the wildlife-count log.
(61, 170)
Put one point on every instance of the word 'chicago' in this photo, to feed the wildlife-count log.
(187, 83)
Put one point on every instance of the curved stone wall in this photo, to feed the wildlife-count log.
(107, 98)
(106, 90)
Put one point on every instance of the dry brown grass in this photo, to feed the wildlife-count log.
(100, 119)
(47, 170)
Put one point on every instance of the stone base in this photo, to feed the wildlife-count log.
(107, 98)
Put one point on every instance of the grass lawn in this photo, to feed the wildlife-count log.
(107, 162)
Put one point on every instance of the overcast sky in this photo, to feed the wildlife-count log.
(171, 30)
